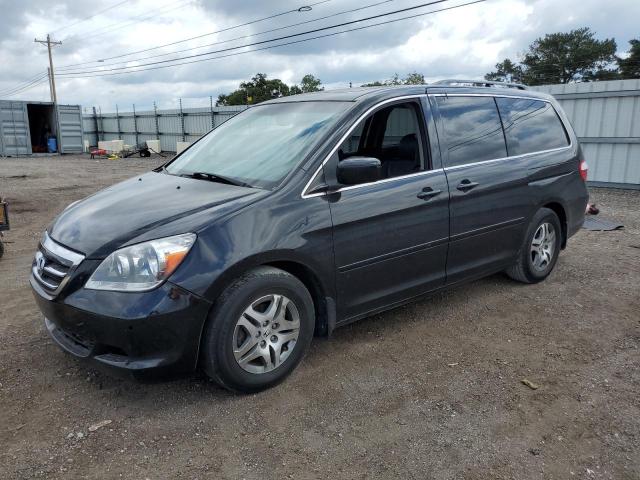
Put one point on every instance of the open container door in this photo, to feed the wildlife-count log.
(70, 133)
(14, 129)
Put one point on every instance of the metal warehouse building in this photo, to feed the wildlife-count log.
(25, 127)
(606, 118)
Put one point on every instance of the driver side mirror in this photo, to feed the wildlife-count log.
(356, 170)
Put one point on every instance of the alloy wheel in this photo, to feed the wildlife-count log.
(266, 333)
(543, 246)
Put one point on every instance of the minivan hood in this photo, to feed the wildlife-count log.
(133, 209)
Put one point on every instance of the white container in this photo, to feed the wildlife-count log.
(154, 145)
(181, 146)
(112, 146)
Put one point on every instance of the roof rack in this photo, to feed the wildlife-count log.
(480, 83)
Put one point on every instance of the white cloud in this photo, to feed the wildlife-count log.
(464, 42)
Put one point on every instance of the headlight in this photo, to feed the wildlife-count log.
(143, 266)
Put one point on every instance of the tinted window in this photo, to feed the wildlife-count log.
(351, 145)
(531, 125)
(402, 121)
(472, 129)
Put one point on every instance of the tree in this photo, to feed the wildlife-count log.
(567, 57)
(506, 71)
(309, 83)
(258, 89)
(630, 66)
(561, 58)
(414, 78)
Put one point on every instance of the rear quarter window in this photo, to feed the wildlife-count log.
(531, 125)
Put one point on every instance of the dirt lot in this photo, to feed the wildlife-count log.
(431, 390)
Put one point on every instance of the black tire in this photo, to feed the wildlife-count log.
(524, 270)
(1, 249)
(217, 354)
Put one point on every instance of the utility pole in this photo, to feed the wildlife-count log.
(52, 78)
(50, 87)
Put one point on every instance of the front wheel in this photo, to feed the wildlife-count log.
(539, 252)
(258, 331)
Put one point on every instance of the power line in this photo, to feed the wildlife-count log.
(136, 19)
(13, 90)
(25, 82)
(26, 87)
(299, 9)
(69, 67)
(281, 44)
(316, 30)
(90, 16)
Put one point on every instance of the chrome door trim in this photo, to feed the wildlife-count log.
(502, 159)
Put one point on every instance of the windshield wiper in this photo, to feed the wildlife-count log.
(214, 177)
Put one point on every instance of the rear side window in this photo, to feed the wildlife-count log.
(531, 125)
(472, 129)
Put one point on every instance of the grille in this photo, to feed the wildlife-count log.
(53, 264)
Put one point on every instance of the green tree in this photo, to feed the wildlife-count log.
(414, 78)
(257, 90)
(630, 66)
(561, 58)
(567, 57)
(309, 83)
(506, 71)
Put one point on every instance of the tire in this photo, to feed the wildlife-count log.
(1, 249)
(239, 318)
(539, 251)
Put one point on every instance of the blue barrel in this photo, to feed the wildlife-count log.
(52, 145)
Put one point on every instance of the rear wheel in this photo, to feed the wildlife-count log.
(539, 252)
(258, 331)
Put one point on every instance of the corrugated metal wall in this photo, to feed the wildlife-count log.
(70, 125)
(170, 126)
(14, 129)
(606, 118)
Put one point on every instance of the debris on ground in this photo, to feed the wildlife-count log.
(530, 384)
(99, 425)
(601, 224)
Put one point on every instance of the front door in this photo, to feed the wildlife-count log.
(390, 236)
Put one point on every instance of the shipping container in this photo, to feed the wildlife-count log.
(38, 127)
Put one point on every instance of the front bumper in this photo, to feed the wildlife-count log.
(150, 331)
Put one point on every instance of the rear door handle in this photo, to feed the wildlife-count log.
(466, 185)
(427, 193)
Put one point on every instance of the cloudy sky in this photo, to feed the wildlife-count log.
(101, 37)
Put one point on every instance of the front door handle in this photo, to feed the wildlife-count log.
(427, 193)
(466, 185)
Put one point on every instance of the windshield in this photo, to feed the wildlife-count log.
(261, 145)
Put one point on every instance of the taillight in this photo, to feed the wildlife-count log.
(584, 169)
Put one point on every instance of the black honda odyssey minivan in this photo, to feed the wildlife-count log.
(305, 213)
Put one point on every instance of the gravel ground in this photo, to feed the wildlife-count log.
(430, 390)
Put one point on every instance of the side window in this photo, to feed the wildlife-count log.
(531, 125)
(351, 145)
(394, 136)
(472, 129)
